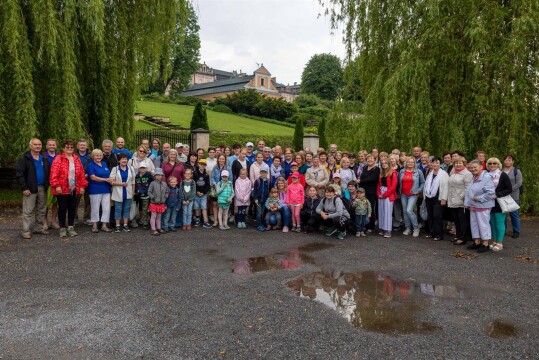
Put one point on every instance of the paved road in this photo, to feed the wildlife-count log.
(196, 295)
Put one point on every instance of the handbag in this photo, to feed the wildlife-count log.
(507, 204)
(213, 192)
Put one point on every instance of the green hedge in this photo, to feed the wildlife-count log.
(229, 139)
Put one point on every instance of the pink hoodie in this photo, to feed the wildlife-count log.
(295, 194)
(242, 192)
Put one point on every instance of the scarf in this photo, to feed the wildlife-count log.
(276, 172)
(431, 185)
(495, 175)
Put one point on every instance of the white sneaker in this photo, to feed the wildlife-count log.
(408, 231)
(416, 233)
(363, 233)
(358, 234)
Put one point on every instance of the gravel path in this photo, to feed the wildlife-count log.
(134, 296)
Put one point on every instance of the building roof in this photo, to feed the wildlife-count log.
(219, 86)
(223, 73)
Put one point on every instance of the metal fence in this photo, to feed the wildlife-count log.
(169, 136)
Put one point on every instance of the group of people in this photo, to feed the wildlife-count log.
(164, 189)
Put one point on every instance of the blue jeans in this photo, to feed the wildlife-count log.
(410, 218)
(187, 212)
(122, 209)
(285, 214)
(515, 219)
(361, 221)
(169, 218)
(179, 219)
(260, 209)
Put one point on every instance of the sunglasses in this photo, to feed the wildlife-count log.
(492, 163)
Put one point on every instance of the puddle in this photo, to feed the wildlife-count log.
(374, 301)
(284, 260)
(500, 329)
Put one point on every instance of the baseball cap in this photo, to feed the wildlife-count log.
(295, 174)
(337, 175)
(178, 145)
(143, 164)
(224, 173)
(203, 162)
(249, 144)
(158, 171)
(264, 168)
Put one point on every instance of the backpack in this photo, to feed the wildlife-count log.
(521, 188)
(346, 203)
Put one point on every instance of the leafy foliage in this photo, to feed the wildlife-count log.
(322, 76)
(251, 102)
(307, 100)
(322, 133)
(74, 68)
(444, 75)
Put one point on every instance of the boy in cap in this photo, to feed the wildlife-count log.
(142, 183)
(260, 194)
(202, 180)
(363, 211)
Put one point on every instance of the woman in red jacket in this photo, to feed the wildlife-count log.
(387, 193)
(67, 180)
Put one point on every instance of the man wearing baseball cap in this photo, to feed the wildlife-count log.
(181, 156)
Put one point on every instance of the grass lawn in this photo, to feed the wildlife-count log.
(143, 125)
(181, 115)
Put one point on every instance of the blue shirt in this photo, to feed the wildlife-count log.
(124, 174)
(123, 151)
(83, 157)
(40, 170)
(50, 158)
(95, 187)
(251, 158)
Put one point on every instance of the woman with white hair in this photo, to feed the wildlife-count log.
(503, 188)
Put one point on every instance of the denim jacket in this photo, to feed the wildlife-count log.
(482, 188)
(419, 181)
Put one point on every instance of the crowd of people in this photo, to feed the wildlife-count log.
(164, 189)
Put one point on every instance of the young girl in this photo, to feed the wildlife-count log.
(242, 192)
(336, 184)
(188, 191)
(309, 216)
(158, 193)
(350, 192)
(225, 194)
(273, 204)
(295, 197)
(281, 186)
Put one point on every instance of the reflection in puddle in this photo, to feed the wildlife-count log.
(285, 260)
(500, 329)
(373, 301)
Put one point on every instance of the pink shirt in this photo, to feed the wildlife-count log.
(295, 194)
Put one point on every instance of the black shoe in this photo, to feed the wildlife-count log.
(515, 235)
(483, 248)
(474, 246)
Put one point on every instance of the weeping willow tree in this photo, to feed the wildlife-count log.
(445, 75)
(71, 68)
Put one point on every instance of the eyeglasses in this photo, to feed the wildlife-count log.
(68, 147)
(142, 151)
(492, 163)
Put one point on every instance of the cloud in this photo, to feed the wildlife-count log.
(282, 34)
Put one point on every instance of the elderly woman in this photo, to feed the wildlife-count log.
(516, 181)
(317, 176)
(411, 182)
(435, 193)
(67, 180)
(99, 186)
(479, 199)
(503, 188)
(141, 156)
(123, 186)
(459, 180)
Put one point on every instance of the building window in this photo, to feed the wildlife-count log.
(262, 82)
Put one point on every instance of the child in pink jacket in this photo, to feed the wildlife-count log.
(242, 195)
(295, 197)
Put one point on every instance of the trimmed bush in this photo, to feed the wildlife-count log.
(222, 109)
(229, 139)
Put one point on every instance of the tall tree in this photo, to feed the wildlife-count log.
(185, 55)
(74, 68)
(322, 76)
(322, 134)
(444, 75)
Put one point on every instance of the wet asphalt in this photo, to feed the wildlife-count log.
(135, 296)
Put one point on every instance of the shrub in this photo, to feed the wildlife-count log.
(307, 119)
(307, 100)
(199, 119)
(298, 135)
(222, 108)
(278, 109)
(229, 139)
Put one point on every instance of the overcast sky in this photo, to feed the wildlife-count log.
(281, 34)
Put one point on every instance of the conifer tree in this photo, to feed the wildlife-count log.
(322, 133)
(298, 135)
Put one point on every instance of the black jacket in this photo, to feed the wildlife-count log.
(310, 205)
(236, 168)
(202, 181)
(369, 180)
(504, 188)
(26, 172)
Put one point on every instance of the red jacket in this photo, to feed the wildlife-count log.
(391, 191)
(301, 180)
(59, 175)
